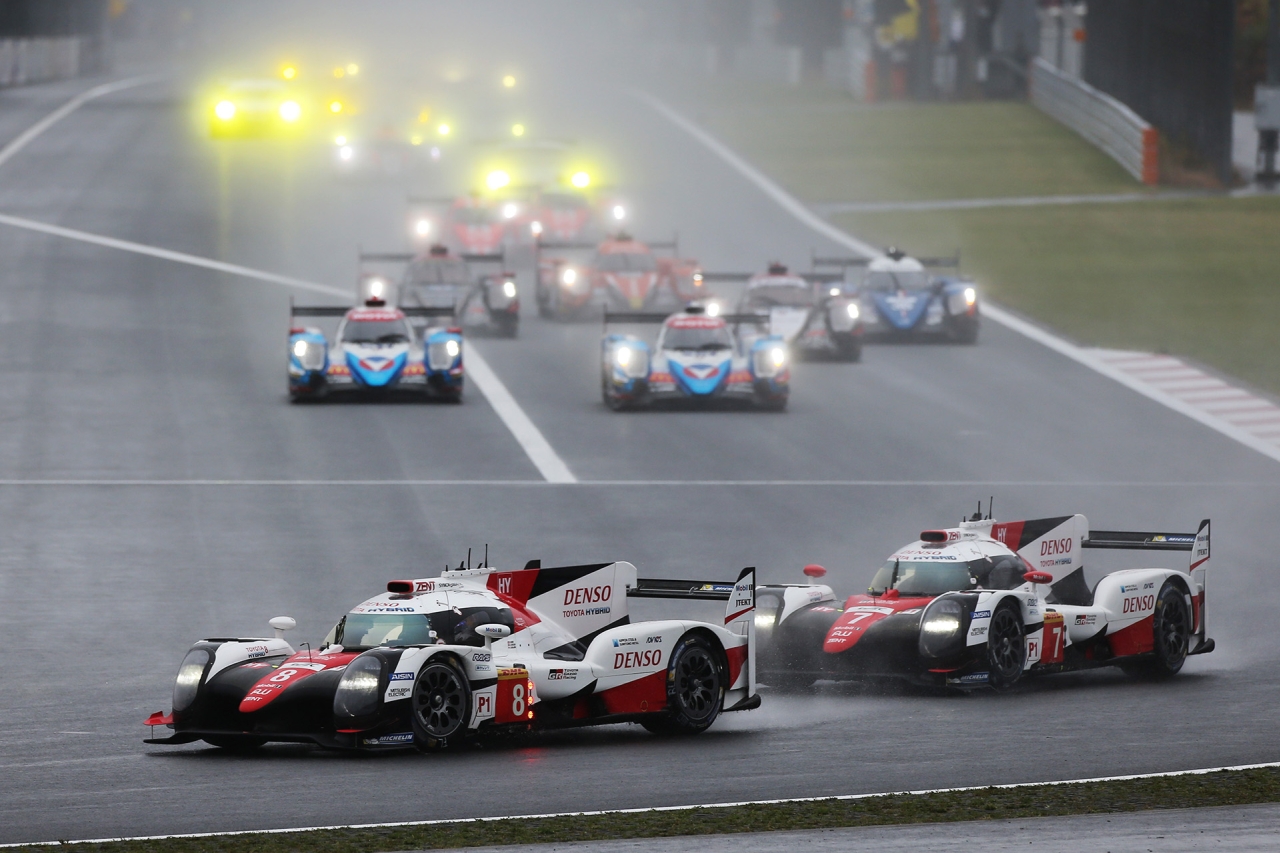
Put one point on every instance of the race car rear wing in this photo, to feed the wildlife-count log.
(935, 262)
(1130, 540)
(661, 316)
(740, 595)
(406, 257)
(341, 311)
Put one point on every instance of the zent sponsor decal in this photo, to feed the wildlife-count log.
(424, 586)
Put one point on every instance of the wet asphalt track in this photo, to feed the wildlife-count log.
(117, 367)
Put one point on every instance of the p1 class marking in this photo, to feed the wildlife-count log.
(1005, 318)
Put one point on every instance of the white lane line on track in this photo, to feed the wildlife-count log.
(908, 484)
(527, 435)
(657, 809)
(22, 139)
(1092, 359)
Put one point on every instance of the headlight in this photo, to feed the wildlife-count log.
(569, 276)
(290, 111)
(853, 310)
(346, 152)
(633, 362)
(835, 291)
(765, 620)
(189, 675)
(422, 227)
(942, 618)
(225, 110)
(441, 354)
(335, 107)
(299, 348)
(766, 362)
(713, 309)
(970, 296)
(452, 348)
(619, 212)
(310, 355)
(359, 688)
(509, 210)
(778, 356)
(497, 179)
(581, 180)
(622, 355)
(509, 289)
(535, 228)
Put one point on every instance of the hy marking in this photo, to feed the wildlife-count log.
(1080, 355)
(530, 439)
(655, 809)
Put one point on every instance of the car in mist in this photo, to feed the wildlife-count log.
(988, 603)
(619, 272)
(481, 302)
(435, 662)
(696, 358)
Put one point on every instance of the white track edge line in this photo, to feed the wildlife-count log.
(999, 315)
(21, 140)
(910, 484)
(1133, 777)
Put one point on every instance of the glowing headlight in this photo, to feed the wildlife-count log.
(853, 310)
(288, 72)
(452, 348)
(346, 152)
(415, 140)
(569, 276)
(353, 69)
(622, 355)
(509, 81)
(835, 291)
(713, 309)
(359, 687)
(444, 130)
(422, 227)
(765, 621)
(300, 349)
(778, 356)
(497, 179)
(340, 140)
(290, 111)
(535, 228)
(335, 106)
(509, 289)
(581, 180)
(189, 675)
(225, 110)
(517, 130)
(619, 212)
(970, 296)
(942, 618)
(509, 210)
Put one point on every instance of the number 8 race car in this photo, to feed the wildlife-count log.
(434, 661)
(986, 603)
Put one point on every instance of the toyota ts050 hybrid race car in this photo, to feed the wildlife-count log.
(987, 603)
(374, 351)
(433, 661)
(899, 298)
(621, 273)
(812, 313)
(696, 358)
(485, 303)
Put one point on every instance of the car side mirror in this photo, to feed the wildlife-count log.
(493, 631)
(282, 624)
(1038, 577)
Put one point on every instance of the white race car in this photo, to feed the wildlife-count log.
(987, 603)
(434, 661)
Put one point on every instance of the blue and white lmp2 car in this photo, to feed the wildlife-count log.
(696, 358)
(900, 298)
(374, 350)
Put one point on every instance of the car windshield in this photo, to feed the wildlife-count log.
(473, 216)
(697, 338)
(358, 631)
(885, 280)
(375, 332)
(428, 272)
(626, 262)
(921, 577)
(771, 295)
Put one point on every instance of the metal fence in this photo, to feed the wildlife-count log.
(36, 60)
(1099, 118)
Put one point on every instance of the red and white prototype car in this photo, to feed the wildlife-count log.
(620, 273)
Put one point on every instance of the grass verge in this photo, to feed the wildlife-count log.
(1193, 277)
(1222, 788)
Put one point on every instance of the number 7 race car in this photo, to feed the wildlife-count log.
(435, 661)
(987, 603)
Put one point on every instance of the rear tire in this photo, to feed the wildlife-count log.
(1006, 648)
(1171, 631)
(848, 348)
(695, 689)
(441, 706)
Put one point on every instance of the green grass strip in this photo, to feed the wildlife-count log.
(1220, 788)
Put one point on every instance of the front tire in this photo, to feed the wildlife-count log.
(1006, 648)
(695, 689)
(441, 706)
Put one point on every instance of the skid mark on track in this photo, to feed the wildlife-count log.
(1091, 359)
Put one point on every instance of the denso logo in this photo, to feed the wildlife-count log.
(634, 660)
(1055, 546)
(587, 595)
(1139, 603)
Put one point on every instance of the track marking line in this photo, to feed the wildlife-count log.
(23, 139)
(1094, 359)
(526, 434)
(657, 809)
(832, 208)
(907, 484)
